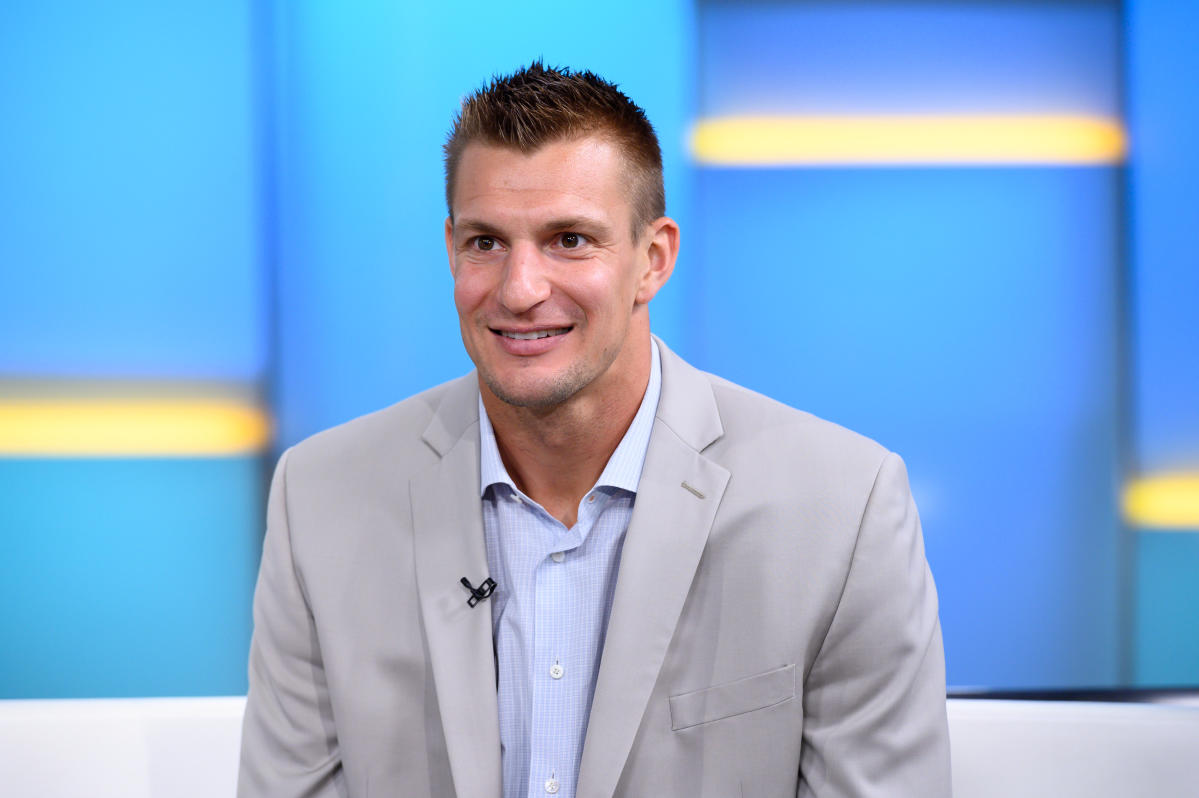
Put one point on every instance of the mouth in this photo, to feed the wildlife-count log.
(531, 335)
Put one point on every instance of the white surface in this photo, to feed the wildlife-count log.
(123, 748)
(1060, 749)
(188, 748)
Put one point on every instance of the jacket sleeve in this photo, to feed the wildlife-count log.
(289, 744)
(874, 699)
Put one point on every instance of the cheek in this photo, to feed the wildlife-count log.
(602, 287)
(614, 296)
(470, 289)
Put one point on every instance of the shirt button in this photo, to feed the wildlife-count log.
(558, 556)
(556, 671)
(551, 786)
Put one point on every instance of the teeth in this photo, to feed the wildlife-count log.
(530, 336)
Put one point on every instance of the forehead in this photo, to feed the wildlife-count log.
(572, 176)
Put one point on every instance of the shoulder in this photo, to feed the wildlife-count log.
(756, 421)
(726, 421)
(769, 445)
(790, 459)
(387, 443)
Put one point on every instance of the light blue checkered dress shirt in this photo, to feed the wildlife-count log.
(550, 608)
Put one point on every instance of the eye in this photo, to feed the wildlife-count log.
(485, 243)
(572, 240)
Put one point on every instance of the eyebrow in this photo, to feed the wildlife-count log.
(576, 223)
(566, 223)
(476, 226)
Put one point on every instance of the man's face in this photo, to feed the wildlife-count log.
(549, 283)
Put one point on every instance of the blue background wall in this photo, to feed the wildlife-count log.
(131, 226)
(1163, 204)
(130, 191)
(966, 317)
(244, 200)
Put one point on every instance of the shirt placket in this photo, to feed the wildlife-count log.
(556, 681)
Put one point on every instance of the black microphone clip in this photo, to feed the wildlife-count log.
(479, 593)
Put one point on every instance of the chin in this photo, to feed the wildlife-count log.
(539, 394)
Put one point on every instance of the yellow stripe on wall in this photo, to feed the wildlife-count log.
(90, 427)
(1165, 501)
(779, 141)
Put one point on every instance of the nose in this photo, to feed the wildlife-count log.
(525, 283)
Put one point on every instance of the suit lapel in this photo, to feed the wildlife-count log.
(448, 537)
(677, 499)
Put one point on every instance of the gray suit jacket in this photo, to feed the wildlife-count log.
(774, 630)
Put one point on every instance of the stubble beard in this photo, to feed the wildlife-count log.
(577, 376)
(562, 387)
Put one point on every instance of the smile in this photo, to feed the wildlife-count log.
(533, 334)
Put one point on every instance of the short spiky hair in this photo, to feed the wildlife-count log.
(537, 105)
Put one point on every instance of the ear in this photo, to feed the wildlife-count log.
(449, 243)
(661, 242)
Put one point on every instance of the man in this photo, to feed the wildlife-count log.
(697, 591)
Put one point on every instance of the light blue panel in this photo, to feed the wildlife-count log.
(128, 200)
(765, 56)
(1163, 62)
(127, 577)
(1167, 614)
(968, 319)
(365, 99)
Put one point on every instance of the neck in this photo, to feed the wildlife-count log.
(555, 455)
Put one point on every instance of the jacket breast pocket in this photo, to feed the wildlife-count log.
(732, 698)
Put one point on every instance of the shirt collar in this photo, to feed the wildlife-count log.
(623, 469)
